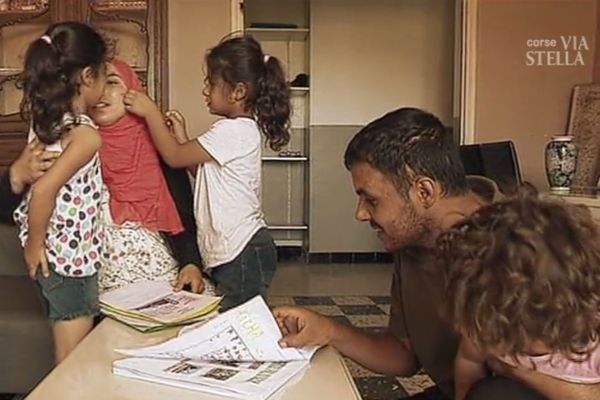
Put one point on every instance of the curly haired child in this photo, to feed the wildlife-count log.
(523, 288)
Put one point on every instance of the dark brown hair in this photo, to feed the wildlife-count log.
(526, 269)
(406, 143)
(49, 78)
(239, 58)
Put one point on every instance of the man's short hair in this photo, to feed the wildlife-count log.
(407, 143)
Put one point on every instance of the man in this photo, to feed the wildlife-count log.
(31, 164)
(411, 186)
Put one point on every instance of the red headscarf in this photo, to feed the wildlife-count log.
(132, 172)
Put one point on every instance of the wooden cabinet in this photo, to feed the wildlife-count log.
(136, 31)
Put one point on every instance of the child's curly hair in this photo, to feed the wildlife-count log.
(526, 269)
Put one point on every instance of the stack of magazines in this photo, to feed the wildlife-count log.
(153, 305)
(235, 355)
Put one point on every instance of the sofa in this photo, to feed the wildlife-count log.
(26, 348)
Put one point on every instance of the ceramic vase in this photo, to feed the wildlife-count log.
(561, 158)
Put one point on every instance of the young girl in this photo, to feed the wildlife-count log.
(249, 90)
(63, 77)
(523, 288)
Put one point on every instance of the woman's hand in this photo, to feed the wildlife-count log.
(139, 103)
(35, 256)
(190, 275)
(31, 164)
(176, 123)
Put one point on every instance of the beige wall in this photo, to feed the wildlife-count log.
(194, 26)
(369, 57)
(332, 226)
(528, 104)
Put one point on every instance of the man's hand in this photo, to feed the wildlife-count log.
(31, 164)
(190, 275)
(176, 123)
(35, 256)
(301, 327)
(139, 103)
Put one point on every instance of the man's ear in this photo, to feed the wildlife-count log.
(427, 191)
(87, 77)
(239, 92)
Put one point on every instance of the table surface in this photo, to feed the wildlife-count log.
(87, 373)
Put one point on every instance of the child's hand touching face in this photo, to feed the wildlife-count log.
(139, 103)
(176, 124)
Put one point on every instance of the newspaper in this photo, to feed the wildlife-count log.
(152, 305)
(235, 354)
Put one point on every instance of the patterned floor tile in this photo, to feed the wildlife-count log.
(385, 308)
(314, 301)
(352, 300)
(380, 388)
(276, 301)
(362, 310)
(364, 321)
(416, 383)
(381, 299)
(330, 311)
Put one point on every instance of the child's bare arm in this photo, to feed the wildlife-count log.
(469, 367)
(175, 154)
(83, 143)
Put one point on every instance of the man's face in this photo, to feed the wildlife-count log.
(394, 218)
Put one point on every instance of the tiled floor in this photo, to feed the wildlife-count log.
(368, 313)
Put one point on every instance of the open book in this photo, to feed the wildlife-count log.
(236, 354)
(153, 305)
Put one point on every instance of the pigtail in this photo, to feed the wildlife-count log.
(272, 105)
(50, 75)
(47, 91)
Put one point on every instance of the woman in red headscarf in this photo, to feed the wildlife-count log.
(150, 231)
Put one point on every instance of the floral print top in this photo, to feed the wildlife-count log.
(74, 235)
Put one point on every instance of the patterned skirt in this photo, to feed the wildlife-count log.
(132, 253)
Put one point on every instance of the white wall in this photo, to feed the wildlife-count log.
(369, 57)
(194, 27)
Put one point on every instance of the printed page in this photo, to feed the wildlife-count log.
(246, 333)
(256, 380)
(156, 301)
(136, 295)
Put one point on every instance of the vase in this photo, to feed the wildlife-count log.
(561, 158)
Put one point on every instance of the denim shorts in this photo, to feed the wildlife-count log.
(65, 298)
(249, 274)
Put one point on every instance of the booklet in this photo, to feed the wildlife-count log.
(236, 354)
(153, 305)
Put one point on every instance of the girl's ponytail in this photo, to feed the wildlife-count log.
(272, 104)
(50, 78)
(47, 91)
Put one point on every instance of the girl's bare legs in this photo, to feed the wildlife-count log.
(68, 334)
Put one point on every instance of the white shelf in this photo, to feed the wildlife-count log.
(288, 227)
(285, 159)
(299, 90)
(278, 34)
(289, 242)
